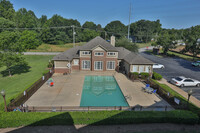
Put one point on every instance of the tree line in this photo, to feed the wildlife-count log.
(21, 30)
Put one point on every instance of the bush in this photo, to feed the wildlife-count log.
(16, 119)
(134, 75)
(156, 76)
(144, 75)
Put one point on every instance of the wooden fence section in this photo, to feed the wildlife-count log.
(23, 97)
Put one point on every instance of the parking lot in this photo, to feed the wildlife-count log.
(176, 67)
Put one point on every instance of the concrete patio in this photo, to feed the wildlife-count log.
(67, 91)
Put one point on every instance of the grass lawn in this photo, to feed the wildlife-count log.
(55, 48)
(172, 54)
(19, 82)
(143, 45)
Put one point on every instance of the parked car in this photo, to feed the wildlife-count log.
(158, 66)
(183, 81)
(196, 63)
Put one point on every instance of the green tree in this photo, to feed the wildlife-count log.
(90, 25)
(6, 10)
(29, 40)
(9, 41)
(167, 41)
(11, 59)
(10, 54)
(26, 19)
(192, 45)
(117, 28)
(89, 34)
(5, 23)
(124, 42)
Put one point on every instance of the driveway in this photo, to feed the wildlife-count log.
(176, 67)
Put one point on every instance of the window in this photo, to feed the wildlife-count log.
(135, 68)
(86, 52)
(110, 65)
(111, 53)
(98, 65)
(85, 64)
(141, 69)
(188, 80)
(76, 62)
(98, 53)
(147, 69)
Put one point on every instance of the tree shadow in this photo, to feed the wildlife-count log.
(18, 69)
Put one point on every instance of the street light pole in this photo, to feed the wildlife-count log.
(189, 94)
(3, 93)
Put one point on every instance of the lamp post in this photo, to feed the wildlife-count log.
(3, 93)
(190, 92)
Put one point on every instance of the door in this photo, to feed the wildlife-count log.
(188, 82)
(98, 65)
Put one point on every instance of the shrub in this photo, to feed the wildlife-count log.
(156, 76)
(144, 75)
(15, 119)
(134, 75)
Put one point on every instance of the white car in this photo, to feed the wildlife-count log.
(158, 66)
(183, 81)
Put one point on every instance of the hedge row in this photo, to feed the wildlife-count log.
(183, 100)
(15, 119)
(156, 76)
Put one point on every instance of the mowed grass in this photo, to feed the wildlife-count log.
(55, 48)
(143, 45)
(19, 82)
(62, 48)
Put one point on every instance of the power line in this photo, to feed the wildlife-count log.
(72, 26)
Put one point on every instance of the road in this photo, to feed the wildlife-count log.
(176, 67)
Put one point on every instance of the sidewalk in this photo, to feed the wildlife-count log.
(181, 92)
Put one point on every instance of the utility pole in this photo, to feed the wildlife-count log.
(73, 36)
(129, 21)
(105, 35)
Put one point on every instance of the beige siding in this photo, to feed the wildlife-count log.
(61, 64)
(99, 49)
(81, 54)
(75, 64)
(143, 67)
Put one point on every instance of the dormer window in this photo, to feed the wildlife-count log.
(111, 53)
(98, 54)
(86, 52)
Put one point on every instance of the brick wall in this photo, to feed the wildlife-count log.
(61, 70)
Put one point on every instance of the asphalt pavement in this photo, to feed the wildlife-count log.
(175, 66)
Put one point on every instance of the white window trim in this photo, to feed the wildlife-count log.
(77, 62)
(85, 68)
(98, 69)
(111, 52)
(83, 53)
(107, 65)
(98, 55)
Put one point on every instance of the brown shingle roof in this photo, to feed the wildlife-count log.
(136, 59)
(98, 41)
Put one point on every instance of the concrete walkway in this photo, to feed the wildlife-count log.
(67, 91)
(134, 90)
(181, 92)
(157, 127)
